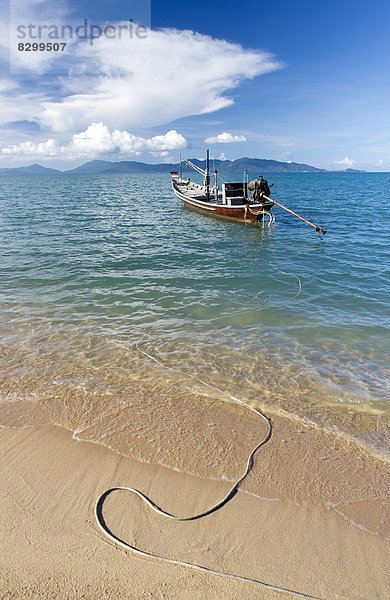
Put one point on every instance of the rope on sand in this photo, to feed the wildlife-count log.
(230, 494)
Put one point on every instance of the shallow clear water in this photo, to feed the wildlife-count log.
(91, 265)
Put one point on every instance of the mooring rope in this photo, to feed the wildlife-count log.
(257, 212)
(228, 496)
(290, 275)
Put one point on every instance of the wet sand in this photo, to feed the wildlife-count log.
(312, 517)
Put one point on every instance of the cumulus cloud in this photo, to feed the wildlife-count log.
(346, 162)
(50, 148)
(98, 139)
(225, 138)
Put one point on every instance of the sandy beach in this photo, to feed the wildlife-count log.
(311, 517)
(194, 300)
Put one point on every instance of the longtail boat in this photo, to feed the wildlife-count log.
(247, 201)
(238, 200)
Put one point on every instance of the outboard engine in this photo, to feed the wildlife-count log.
(259, 188)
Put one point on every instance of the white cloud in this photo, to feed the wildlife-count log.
(19, 105)
(159, 144)
(225, 138)
(127, 84)
(7, 84)
(35, 13)
(49, 148)
(98, 139)
(222, 156)
(171, 74)
(346, 162)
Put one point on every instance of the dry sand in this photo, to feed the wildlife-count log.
(311, 517)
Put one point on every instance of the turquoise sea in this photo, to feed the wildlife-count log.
(96, 271)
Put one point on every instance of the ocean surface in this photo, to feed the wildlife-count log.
(116, 303)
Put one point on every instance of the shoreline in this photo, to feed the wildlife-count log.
(52, 546)
(273, 413)
(326, 447)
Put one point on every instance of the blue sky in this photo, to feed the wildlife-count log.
(302, 81)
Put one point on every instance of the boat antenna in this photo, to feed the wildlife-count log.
(245, 184)
(215, 181)
(207, 174)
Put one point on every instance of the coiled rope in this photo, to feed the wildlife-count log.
(230, 494)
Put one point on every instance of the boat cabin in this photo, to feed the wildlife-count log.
(234, 194)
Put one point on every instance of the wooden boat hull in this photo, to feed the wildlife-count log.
(252, 213)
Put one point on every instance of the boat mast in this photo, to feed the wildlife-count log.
(180, 167)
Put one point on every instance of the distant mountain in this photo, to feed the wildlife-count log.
(253, 165)
(265, 166)
(31, 170)
(124, 166)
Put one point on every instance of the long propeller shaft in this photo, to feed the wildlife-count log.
(318, 228)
